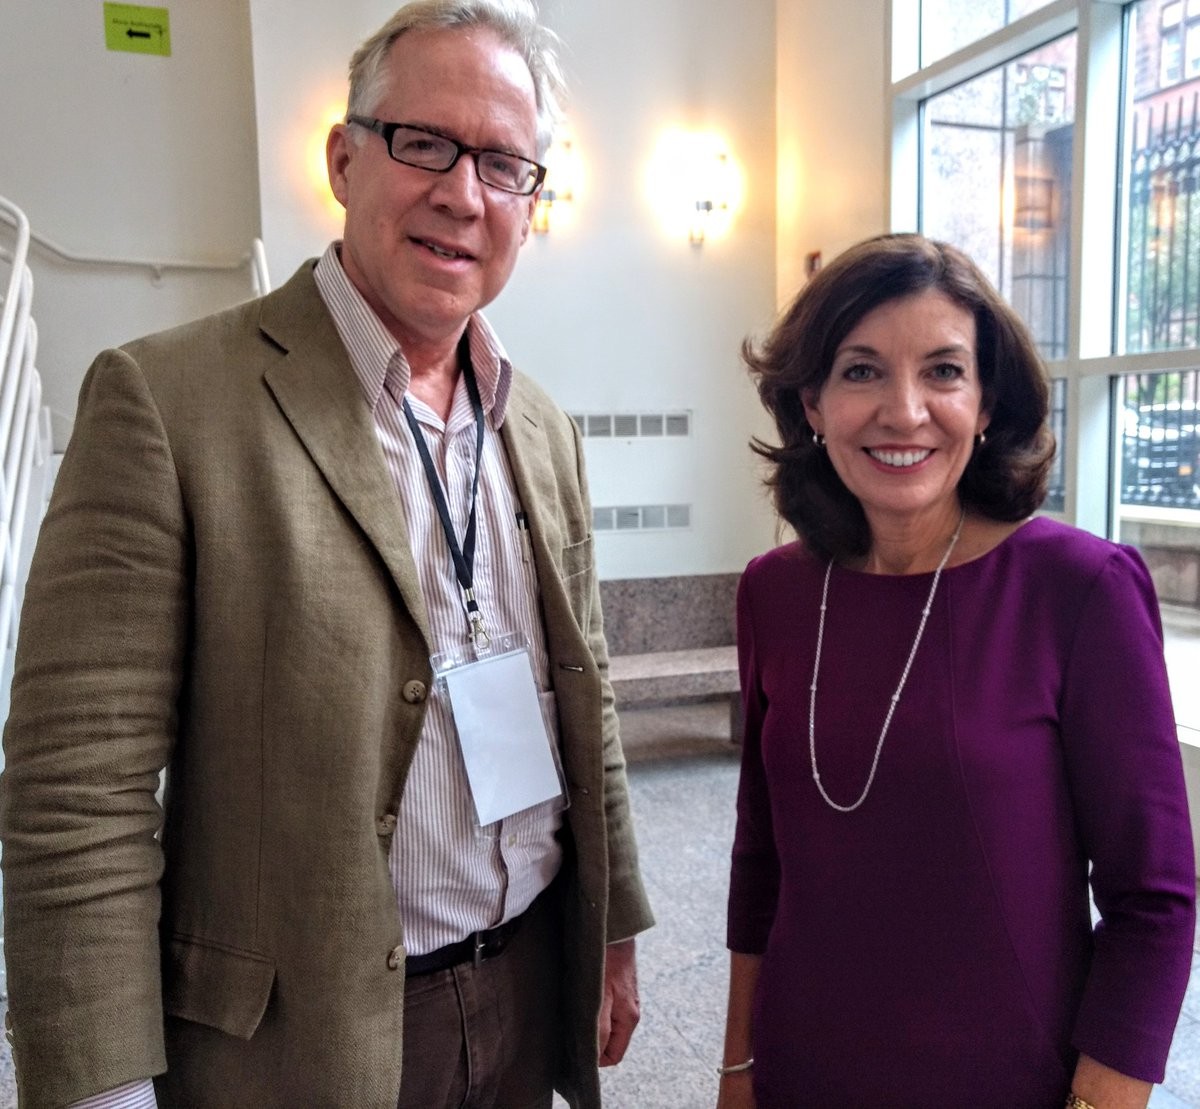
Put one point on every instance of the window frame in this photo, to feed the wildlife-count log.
(1095, 286)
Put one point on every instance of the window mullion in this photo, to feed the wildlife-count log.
(1096, 156)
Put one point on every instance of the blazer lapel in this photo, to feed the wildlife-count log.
(529, 459)
(317, 391)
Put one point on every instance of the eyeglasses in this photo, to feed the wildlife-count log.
(414, 146)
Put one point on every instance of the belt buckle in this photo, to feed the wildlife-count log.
(477, 941)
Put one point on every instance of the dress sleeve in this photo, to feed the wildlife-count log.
(754, 878)
(1126, 779)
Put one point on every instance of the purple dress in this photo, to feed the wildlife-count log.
(935, 947)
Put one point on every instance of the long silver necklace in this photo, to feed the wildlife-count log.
(812, 689)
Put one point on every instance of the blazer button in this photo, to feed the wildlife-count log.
(395, 958)
(414, 692)
(386, 825)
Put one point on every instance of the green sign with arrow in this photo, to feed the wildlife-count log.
(137, 30)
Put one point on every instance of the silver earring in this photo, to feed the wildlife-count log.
(818, 438)
(980, 439)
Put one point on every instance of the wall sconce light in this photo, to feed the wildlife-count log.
(541, 211)
(695, 185)
(1033, 208)
(562, 171)
(706, 207)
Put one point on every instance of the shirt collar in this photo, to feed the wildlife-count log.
(373, 350)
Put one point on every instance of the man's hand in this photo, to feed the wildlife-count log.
(620, 1010)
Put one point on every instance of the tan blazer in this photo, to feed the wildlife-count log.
(224, 586)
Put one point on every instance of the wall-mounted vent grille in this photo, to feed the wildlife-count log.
(631, 425)
(642, 517)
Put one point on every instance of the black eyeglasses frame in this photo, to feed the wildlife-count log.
(386, 129)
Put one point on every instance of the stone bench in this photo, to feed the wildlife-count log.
(671, 641)
(670, 677)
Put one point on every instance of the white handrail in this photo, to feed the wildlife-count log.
(18, 450)
(13, 365)
(16, 255)
(29, 450)
(157, 266)
(8, 599)
(258, 267)
(11, 583)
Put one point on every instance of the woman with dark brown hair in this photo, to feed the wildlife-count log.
(953, 711)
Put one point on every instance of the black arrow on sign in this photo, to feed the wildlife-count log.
(137, 34)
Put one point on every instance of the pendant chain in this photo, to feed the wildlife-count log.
(812, 689)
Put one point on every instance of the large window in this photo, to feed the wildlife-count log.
(1059, 144)
(1009, 133)
(949, 25)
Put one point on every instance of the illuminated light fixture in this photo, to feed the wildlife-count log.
(562, 172)
(541, 211)
(1033, 207)
(695, 185)
(706, 207)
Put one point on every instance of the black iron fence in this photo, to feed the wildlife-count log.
(1158, 435)
(1163, 274)
(1160, 439)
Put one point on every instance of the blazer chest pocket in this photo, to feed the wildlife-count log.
(577, 561)
(215, 986)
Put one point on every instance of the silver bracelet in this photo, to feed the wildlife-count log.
(735, 1068)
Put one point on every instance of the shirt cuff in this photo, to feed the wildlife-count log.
(138, 1094)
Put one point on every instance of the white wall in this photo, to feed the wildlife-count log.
(832, 130)
(125, 154)
(300, 52)
(608, 313)
(644, 321)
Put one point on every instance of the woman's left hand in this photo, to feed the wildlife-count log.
(1105, 1088)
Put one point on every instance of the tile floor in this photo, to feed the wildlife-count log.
(683, 774)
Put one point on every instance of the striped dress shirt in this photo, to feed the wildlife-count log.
(452, 877)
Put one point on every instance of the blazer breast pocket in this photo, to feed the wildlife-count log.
(578, 562)
(216, 986)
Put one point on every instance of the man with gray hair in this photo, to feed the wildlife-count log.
(327, 559)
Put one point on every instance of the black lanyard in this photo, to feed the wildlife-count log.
(464, 556)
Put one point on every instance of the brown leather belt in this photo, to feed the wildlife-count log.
(473, 949)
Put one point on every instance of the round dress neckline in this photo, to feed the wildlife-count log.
(926, 574)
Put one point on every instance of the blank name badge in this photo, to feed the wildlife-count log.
(503, 737)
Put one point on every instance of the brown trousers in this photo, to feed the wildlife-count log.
(487, 1037)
